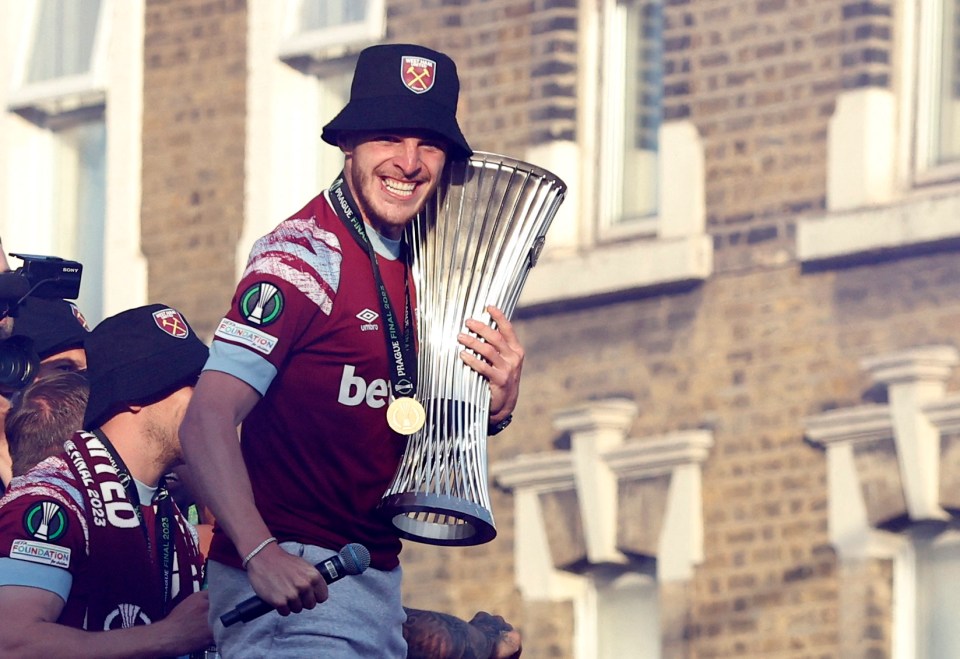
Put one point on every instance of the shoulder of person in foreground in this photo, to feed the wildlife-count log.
(435, 635)
(44, 539)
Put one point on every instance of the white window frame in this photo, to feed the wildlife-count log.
(328, 43)
(31, 112)
(584, 258)
(929, 69)
(287, 162)
(883, 195)
(922, 547)
(612, 226)
(67, 93)
(628, 616)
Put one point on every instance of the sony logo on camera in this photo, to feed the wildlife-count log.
(51, 276)
(40, 276)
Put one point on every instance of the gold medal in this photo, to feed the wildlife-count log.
(406, 415)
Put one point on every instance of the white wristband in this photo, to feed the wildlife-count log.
(256, 550)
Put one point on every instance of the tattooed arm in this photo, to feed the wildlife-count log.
(433, 635)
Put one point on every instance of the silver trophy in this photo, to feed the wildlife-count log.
(472, 246)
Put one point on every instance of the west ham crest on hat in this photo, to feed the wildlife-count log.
(171, 322)
(417, 73)
(79, 316)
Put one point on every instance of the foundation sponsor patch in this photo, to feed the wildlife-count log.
(40, 552)
(246, 335)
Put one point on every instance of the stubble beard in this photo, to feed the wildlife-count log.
(385, 222)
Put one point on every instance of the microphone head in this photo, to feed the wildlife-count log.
(355, 558)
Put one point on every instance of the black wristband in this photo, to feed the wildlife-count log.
(497, 428)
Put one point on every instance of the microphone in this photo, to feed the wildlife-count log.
(352, 559)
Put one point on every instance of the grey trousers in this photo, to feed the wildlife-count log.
(363, 616)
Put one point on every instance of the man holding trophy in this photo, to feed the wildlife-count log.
(317, 359)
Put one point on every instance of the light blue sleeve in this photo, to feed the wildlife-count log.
(242, 364)
(14, 572)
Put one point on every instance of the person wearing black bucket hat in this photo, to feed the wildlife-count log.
(56, 330)
(94, 555)
(306, 361)
(403, 86)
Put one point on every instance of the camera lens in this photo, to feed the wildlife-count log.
(18, 362)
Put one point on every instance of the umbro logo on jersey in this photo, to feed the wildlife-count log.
(367, 318)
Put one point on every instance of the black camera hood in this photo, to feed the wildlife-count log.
(13, 286)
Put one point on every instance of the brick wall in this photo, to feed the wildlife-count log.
(516, 59)
(193, 153)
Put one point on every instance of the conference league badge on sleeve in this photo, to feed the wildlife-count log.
(260, 305)
(44, 523)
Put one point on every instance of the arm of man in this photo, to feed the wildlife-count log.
(433, 635)
(500, 361)
(208, 438)
(30, 630)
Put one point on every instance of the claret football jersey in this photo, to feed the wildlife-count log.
(305, 329)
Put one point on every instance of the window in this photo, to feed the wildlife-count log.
(63, 46)
(333, 93)
(625, 225)
(894, 150)
(632, 101)
(628, 617)
(80, 204)
(301, 59)
(939, 85)
(321, 27)
(60, 64)
(59, 88)
(323, 39)
(937, 572)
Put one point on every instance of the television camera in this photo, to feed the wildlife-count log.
(40, 276)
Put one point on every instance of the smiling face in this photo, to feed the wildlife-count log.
(391, 175)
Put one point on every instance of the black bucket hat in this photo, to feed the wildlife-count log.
(403, 86)
(139, 355)
(54, 325)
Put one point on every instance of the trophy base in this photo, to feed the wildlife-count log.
(439, 520)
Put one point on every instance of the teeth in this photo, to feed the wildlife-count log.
(399, 187)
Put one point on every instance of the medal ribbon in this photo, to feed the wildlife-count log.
(165, 518)
(401, 351)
